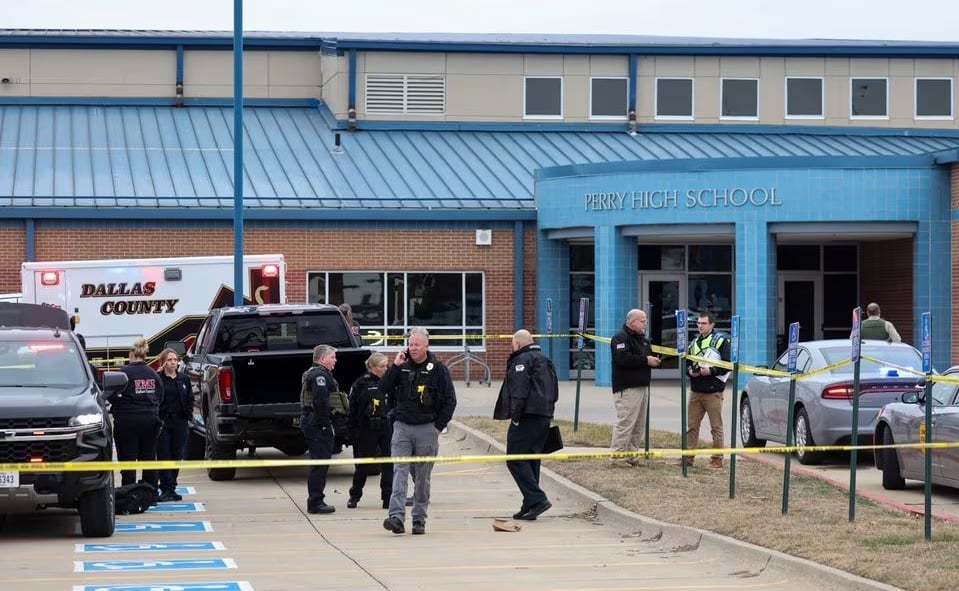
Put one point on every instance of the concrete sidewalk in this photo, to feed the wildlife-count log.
(595, 405)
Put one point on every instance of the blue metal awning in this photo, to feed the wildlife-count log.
(157, 156)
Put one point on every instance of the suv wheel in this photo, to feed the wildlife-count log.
(219, 451)
(97, 512)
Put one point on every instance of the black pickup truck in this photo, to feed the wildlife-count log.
(53, 411)
(246, 366)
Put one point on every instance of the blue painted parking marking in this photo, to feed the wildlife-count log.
(164, 527)
(205, 586)
(151, 547)
(176, 508)
(91, 566)
(185, 490)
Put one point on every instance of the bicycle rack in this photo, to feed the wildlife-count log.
(467, 358)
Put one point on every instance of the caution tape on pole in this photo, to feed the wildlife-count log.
(39, 467)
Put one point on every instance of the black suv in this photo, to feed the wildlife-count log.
(52, 410)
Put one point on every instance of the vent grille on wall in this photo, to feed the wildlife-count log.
(401, 94)
(484, 237)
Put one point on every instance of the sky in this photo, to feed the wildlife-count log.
(916, 20)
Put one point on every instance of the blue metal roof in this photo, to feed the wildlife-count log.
(157, 156)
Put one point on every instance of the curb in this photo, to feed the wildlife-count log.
(609, 511)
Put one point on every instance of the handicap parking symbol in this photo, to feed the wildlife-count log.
(94, 566)
(204, 586)
(176, 508)
(163, 527)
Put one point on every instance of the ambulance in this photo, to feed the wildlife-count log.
(163, 299)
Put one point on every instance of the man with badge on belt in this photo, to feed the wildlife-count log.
(317, 426)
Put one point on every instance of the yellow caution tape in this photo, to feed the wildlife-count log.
(597, 455)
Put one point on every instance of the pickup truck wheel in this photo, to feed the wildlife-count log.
(97, 512)
(220, 451)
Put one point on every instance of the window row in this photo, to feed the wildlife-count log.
(387, 304)
(739, 98)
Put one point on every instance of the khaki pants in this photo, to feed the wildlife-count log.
(630, 419)
(701, 405)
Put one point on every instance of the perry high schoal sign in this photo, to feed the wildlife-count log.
(673, 198)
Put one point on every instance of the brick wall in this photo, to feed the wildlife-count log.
(885, 277)
(13, 246)
(307, 249)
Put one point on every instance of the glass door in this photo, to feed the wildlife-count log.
(662, 294)
(800, 300)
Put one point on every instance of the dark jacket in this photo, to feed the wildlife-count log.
(368, 405)
(142, 393)
(629, 351)
(530, 387)
(318, 382)
(177, 400)
(420, 393)
(705, 346)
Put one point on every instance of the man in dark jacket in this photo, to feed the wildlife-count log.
(421, 394)
(632, 358)
(527, 398)
(316, 423)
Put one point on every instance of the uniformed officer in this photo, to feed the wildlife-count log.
(318, 383)
(421, 392)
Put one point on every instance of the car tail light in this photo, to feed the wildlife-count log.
(270, 270)
(837, 393)
(224, 381)
(49, 277)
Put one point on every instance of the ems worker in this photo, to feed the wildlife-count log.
(707, 383)
(317, 426)
(370, 430)
(136, 414)
(422, 397)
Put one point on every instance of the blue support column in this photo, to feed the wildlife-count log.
(552, 281)
(755, 292)
(932, 290)
(30, 241)
(617, 290)
(519, 284)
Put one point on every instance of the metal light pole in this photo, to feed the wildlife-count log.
(237, 152)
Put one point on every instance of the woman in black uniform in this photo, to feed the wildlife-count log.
(370, 430)
(136, 414)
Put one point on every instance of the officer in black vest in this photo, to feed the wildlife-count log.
(316, 424)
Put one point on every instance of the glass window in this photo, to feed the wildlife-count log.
(654, 257)
(841, 291)
(581, 258)
(581, 285)
(607, 98)
(841, 257)
(934, 98)
(674, 98)
(888, 357)
(804, 97)
(797, 257)
(46, 364)
(740, 98)
(942, 393)
(544, 97)
(868, 97)
(711, 293)
(387, 304)
(712, 258)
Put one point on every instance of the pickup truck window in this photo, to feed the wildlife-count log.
(280, 333)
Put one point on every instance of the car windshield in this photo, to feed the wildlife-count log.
(41, 364)
(892, 360)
